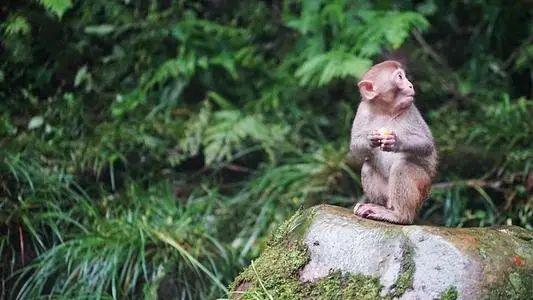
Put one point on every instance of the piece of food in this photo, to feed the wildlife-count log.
(385, 131)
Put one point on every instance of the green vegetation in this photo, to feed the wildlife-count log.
(407, 272)
(151, 147)
(274, 275)
(449, 294)
(517, 286)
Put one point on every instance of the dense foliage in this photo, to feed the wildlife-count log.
(150, 147)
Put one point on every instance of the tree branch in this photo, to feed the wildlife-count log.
(430, 52)
(469, 183)
(448, 86)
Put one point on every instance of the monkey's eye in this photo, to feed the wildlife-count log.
(400, 76)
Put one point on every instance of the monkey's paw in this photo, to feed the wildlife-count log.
(389, 142)
(364, 209)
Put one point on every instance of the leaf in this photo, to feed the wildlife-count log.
(57, 7)
(100, 30)
(80, 75)
(385, 29)
(171, 68)
(127, 103)
(310, 68)
(36, 122)
(16, 25)
(427, 8)
(220, 100)
(322, 69)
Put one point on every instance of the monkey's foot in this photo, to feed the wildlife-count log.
(378, 213)
(365, 209)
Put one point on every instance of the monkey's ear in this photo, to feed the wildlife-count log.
(366, 88)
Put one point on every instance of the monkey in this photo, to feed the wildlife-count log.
(394, 144)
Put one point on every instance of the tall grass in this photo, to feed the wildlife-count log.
(61, 243)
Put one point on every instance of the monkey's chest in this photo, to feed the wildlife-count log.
(383, 161)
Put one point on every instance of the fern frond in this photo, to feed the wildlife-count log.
(16, 25)
(221, 134)
(322, 69)
(385, 29)
(56, 7)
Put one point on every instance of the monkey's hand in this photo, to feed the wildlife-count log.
(389, 142)
(374, 138)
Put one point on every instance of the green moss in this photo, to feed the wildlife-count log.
(518, 286)
(362, 287)
(294, 226)
(329, 287)
(333, 286)
(449, 294)
(275, 275)
(337, 286)
(275, 272)
(407, 272)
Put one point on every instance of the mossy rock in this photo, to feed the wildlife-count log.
(326, 252)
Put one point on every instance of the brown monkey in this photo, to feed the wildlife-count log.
(395, 145)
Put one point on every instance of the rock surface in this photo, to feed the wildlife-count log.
(328, 253)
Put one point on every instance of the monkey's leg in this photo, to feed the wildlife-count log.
(374, 186)
(409, 185)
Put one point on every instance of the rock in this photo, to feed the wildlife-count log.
(326, 252)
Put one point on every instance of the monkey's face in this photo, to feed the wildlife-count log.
(402, 88)
(386, 85)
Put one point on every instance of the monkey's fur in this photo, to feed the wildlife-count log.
(397, 169)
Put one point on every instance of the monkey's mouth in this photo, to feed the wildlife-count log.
(405, 102)
(410, 96)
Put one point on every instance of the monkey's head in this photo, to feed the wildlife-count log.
(386, 85)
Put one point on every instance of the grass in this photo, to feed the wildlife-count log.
(77, 246)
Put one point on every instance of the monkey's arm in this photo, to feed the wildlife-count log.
(416, 144)
(420, 145)
(362, 141)
(418, 139)
(359, 145)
